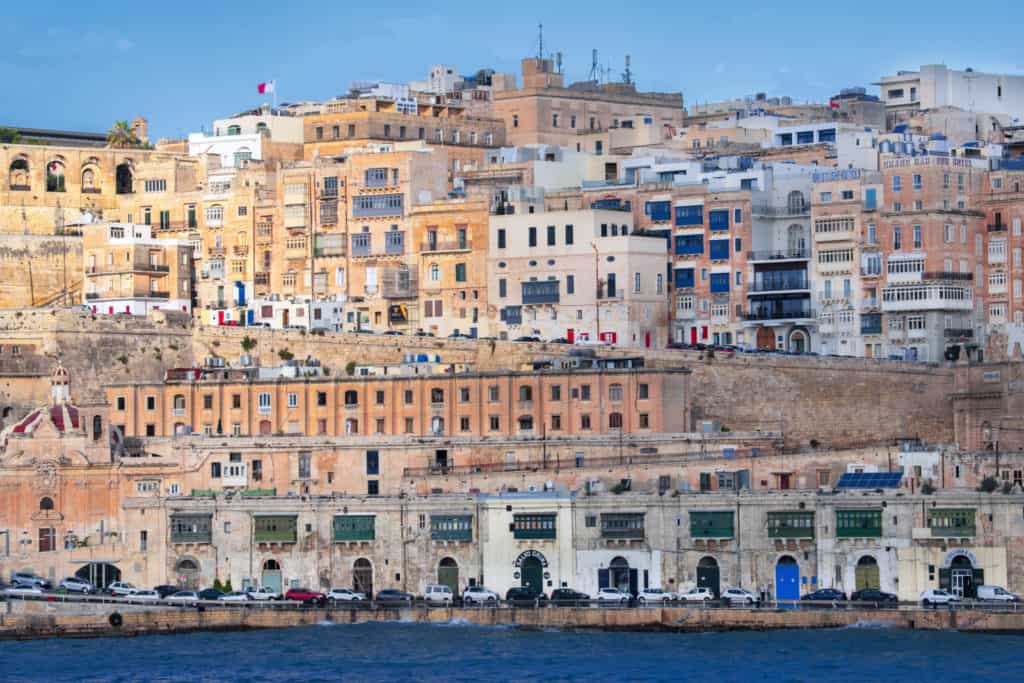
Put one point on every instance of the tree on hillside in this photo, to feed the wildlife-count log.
(121, 136)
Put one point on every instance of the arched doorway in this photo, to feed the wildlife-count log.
(787, 579)
(532, 574)
(798, 342)
(99, 574)
(362, 577)
(961, 577)
(708, 575)
(621, 576)
(271, 577)
(123, 178)
(448, 574)
(867, 573)
(186, 573)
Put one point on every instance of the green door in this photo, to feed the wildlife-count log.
(448, 574)
(532, 573)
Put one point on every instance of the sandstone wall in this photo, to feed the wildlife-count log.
(55, 260)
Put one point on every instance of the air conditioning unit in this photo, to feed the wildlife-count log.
(594, 486)
(245, 359)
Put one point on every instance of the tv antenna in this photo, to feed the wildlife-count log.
(540, 41)
(627, 75)
(594, 68)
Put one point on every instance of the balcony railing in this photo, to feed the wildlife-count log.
(997, 227)
(779, 284)
(21, 188)
(449, 245)
(159, 295)
(957, 277)
(953, 332)
(770, 211)
(216, 251)
(778, 255)
(779, 314)
(92, 296)
(128, 267)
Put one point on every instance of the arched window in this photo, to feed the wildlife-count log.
(88, 180)
(615, 420)
(45, 504)
(526, 423)
(435, 272)
(18, 175)
(615, 392)
(179, 404)
(123, 178)
(241, 238)
(97, 427)
(351, 397)
(55, 176)
(271, 565)
(262, 128)
(525, 394)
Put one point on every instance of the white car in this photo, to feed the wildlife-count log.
(996, 594)
(121, 588)
(73, 584)
(235, 596)
(23, 589)
(738, 596)
(612, 595)
(478, 595)
(438, 593)
(654, 595)
(344, 595)
(263, 593)
(697, 595)
(937, 596)
(183, 597)
(144, 594)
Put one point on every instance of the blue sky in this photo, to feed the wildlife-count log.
(183, 63)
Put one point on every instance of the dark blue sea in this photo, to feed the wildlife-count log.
(422, 652)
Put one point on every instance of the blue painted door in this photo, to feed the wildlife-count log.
(787, 581)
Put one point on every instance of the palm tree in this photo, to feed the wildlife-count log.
(121, 136)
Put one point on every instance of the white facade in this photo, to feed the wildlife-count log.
(297, 313)
(546, 270)
(936, 85)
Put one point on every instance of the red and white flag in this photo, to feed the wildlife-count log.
(265, 88)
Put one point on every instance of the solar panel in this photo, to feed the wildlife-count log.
(870, 480)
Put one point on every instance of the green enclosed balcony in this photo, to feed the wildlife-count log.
(534, 527)
(858, 523)
(354, 528)
(791, 525)
(712, 525)
(191, 528)
(952, 522)
(623, 525)
(275, 529)
(451, 527)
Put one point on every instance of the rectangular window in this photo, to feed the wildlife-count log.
(551, 235)
(858, 523)
(712, 525)
(372, 462)
(534, 526)
(451, 527)
(951, 522)
(622, 525)
(791, 525)
(275, 529)
(568, 235)
(532, 236)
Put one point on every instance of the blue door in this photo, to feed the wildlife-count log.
(250, 317)
(787, 579)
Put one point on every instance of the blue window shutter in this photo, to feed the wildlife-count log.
(719, 249)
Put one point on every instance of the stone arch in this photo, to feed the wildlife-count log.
(448, 574)
(186, 572)
(362, 577)
(55, 175)
(123, 177)
(7, 411)
(796, 202)
(46, 504)
(18, 173)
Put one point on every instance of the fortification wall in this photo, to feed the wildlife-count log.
(54, 261)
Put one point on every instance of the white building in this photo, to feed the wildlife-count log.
(245, 136)
(935, 86)
(579, 275)
(297, 313)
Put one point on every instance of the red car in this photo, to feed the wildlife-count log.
(306, 596)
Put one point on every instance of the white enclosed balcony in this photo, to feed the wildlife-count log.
(927, 298)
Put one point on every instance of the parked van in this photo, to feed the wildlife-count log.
(996, 593)
(438, 593)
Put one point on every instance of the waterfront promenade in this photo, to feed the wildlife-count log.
(41, 619)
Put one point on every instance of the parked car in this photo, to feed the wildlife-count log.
(28, 578)
(697, 595)
(73, 584)
(478, 595)
(165, 590)
(263, 593)
(393, 596)
(826, 594)
(568, 596)
(873, 595)
(392, 333)
(738, 596)
(527, 338)
(144, 594)
(438, 593)
(613, 595)
(121, 588)
(560, 340)
(937, 596)
(23, 589)
(654, 595)
(210, 594)
(996, 593)
(344, 595)
(235, 596)
(422, 333)
(306, 596)
(524, 594)
(183, 598)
